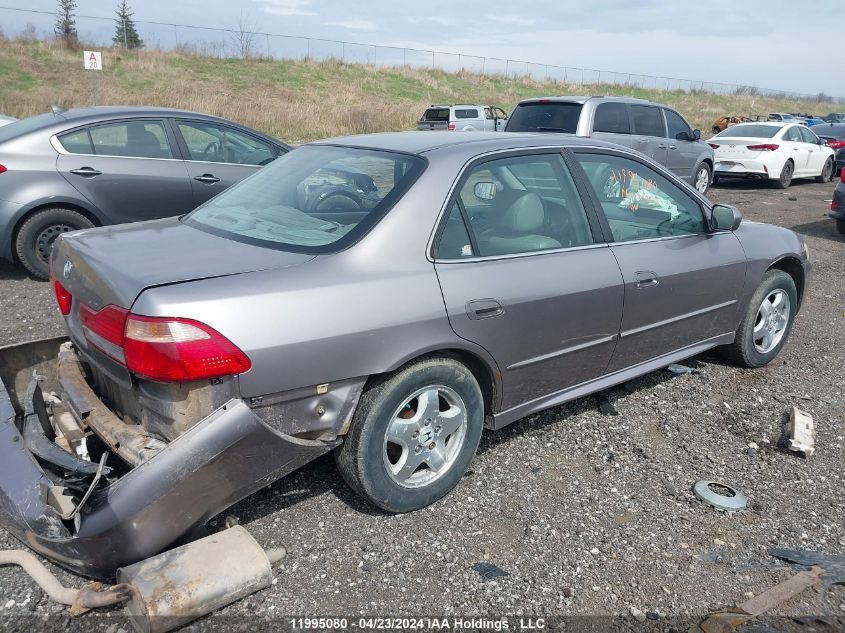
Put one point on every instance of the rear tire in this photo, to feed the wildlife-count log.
(750, 347)
(785, 178)
(827, 172)
(35, 238)
(413, 435)
(840, 226)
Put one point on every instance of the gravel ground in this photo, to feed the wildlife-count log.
(586, 514)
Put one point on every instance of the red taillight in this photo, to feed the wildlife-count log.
(831, 143)
(842, 175)
(452, 127)
(63, 297)
(179, 350)
(105, 328)
(163, 349)
(713, 145)
(766, 147)
(2, 169)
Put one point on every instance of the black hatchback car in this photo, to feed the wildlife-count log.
(73, 169)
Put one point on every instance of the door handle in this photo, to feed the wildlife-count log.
(87, 172)
(483, 309)
(662, 146)
(209, 179)
(673, 147)
(646, 278)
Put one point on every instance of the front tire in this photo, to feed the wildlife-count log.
(785, 178)
(767, 322)
(413, 435)
(827, 172)
(35, 238)
(703, 175)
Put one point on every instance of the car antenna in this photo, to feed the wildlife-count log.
(57, 109)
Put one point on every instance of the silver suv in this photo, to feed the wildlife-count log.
(651, 128)
(464, 118)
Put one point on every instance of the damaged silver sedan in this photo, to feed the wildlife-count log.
(384, 296)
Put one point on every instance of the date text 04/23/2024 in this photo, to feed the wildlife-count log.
(417, 624)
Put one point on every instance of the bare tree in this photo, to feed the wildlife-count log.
(66, 23)
(244, 38)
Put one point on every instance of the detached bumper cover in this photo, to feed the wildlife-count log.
(225, 457)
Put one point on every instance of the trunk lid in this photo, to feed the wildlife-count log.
(113, 265)
(738, 147)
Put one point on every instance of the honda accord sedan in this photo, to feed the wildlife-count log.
(483, 281)
(74, 169)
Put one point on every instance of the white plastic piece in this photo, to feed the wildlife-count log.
(802, 432)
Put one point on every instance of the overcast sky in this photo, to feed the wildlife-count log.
(779, 44)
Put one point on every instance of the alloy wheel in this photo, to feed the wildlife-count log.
(425, 436)
(771, 321)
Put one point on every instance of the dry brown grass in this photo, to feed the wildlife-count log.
(301, 100)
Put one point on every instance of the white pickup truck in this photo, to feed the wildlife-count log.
(465, 118)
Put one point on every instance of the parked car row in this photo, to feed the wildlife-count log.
(73, 169)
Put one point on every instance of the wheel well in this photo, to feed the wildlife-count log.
(62, 205)
(479, 368)
(792, 267)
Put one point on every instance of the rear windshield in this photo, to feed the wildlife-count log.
(24, 126)
(752, 130)
(553, 116)
(436, 114)
(827, 130)
(315, 199)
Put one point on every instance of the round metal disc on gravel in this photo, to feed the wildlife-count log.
(720, 496)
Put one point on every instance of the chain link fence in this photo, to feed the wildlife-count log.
(244, 42)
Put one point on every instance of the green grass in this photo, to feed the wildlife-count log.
(303, 100)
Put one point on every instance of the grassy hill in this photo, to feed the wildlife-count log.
(302, 100)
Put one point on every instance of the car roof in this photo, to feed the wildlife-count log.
(60, 119)
(476, 142)
(583, 99)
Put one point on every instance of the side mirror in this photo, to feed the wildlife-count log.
(725, 217)
(696, 135)
(485, 191)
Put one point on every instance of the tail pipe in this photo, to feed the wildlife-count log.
(176, 587)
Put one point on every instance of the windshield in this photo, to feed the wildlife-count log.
(545, 116)
(315, 199)
(752, 130)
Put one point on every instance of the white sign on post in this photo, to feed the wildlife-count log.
(92, 60)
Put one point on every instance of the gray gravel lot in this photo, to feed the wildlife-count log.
(587, 514)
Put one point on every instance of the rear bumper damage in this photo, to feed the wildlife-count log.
(92, 523)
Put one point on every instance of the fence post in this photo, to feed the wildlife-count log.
(307, 48)
(125, 41)
(507, 68)
(375, 55)
(483, 65)
(404, 58)
(176, 35)
(432, 60)
(343, 51)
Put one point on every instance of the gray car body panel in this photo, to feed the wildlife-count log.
(129, 189)
(317, 328)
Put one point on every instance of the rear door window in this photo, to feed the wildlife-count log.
(678, 128)
(466, 113)
(551, 116)
(648, 120)
(135, 139)
(792, 134)
(612, 118)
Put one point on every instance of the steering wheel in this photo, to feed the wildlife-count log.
(212, 150)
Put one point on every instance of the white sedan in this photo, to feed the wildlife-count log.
(776, 151)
